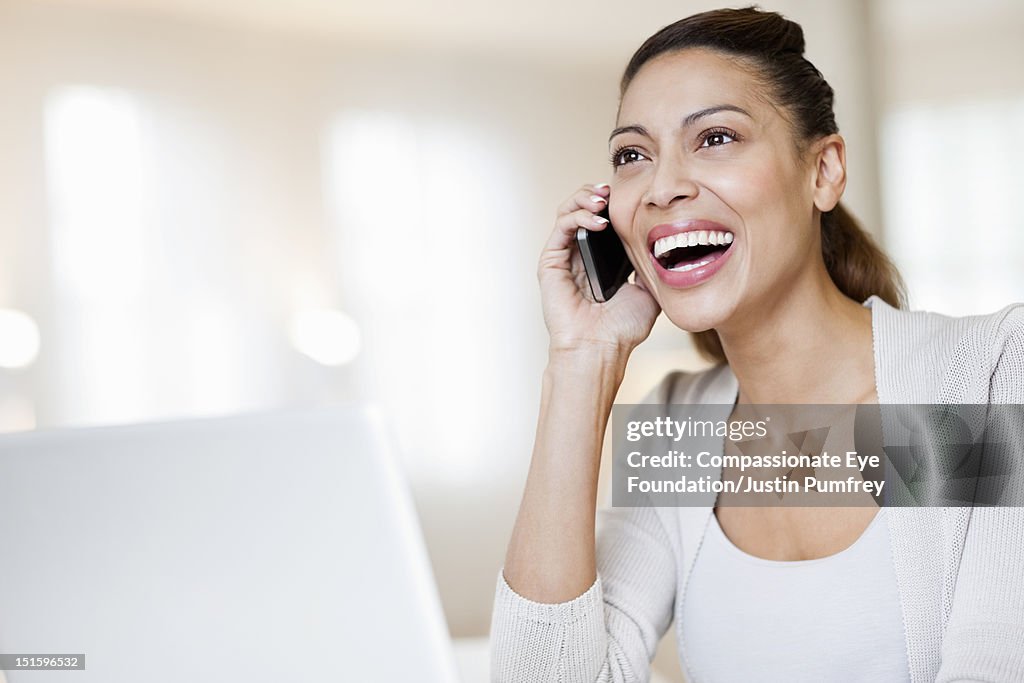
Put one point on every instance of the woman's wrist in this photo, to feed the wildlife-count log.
(586, 364)
(590, 355)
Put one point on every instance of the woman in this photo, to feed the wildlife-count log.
(724, 127)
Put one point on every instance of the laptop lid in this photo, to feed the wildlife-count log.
(250, 548)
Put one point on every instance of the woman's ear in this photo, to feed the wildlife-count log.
(829, 171)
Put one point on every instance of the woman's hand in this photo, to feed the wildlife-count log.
(574, 319)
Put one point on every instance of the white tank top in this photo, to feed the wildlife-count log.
(837, 618)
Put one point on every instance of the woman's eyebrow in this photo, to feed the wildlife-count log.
(688, 121)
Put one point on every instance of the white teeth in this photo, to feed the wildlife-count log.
(690, 266)
(691, 239)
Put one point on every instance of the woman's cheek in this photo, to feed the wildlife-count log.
(746, 189)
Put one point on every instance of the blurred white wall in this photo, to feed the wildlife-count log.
(397, 165)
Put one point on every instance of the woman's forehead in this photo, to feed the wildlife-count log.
(679, 83)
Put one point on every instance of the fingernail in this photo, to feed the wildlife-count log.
(601, 186)
(600, 220)
(597, 198)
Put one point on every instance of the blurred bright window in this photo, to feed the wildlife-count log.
(101, 206)
(430, 242)
(139, 332)
(954, 178)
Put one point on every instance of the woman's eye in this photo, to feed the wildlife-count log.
(627, 155)
(717, 138)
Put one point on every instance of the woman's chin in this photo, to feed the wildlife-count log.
(694, 315)
(697, 311)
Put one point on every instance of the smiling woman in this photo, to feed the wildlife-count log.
(757, 144)
(727, 173)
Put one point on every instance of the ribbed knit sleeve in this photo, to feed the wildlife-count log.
(609, 633)
(984, 639)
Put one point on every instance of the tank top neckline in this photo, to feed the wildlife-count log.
(732, 548)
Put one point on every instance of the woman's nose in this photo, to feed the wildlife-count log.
(672, 180)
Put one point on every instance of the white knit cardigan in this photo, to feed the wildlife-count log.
(960, 570)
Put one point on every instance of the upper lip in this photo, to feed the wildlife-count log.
(677, 227)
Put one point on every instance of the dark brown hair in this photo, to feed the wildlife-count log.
(773, 47)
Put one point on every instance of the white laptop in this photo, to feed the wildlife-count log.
(276, 547)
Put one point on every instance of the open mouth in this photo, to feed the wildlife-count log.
(688, 250)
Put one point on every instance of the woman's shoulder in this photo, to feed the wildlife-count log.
(963, 353)
(917, 328)
(902, 320)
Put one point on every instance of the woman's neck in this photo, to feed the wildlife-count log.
(815, 346)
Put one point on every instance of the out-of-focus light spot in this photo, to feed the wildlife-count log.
(328, 337)
(19, 339)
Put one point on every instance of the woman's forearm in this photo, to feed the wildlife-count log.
(551, 553)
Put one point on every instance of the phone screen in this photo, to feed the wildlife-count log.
(604, 257)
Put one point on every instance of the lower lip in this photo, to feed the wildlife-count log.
(694, 276)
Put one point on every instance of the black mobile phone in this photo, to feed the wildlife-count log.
(605, 260)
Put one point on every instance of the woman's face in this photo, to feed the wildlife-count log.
(708, 191)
